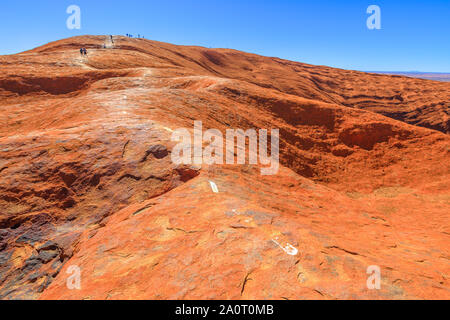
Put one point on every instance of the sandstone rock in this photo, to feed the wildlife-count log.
(87, 178)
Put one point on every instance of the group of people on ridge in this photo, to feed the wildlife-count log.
(83, 51)
(131, 36)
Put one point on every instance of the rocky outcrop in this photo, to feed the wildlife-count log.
(87, 178)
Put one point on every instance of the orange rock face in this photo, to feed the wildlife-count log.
(87, 178)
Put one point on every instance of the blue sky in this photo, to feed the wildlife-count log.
(415, 35)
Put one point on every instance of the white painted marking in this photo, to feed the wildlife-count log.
(214, 187)
(289, 249)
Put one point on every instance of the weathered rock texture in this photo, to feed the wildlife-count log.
(86, 177)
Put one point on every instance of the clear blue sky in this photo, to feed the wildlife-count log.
(415, 34)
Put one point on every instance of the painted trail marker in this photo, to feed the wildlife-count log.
(289, 249)
(214, 187)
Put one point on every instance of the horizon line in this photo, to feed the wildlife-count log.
(206, 47)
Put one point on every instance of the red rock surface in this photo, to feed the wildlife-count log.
(364, 178)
